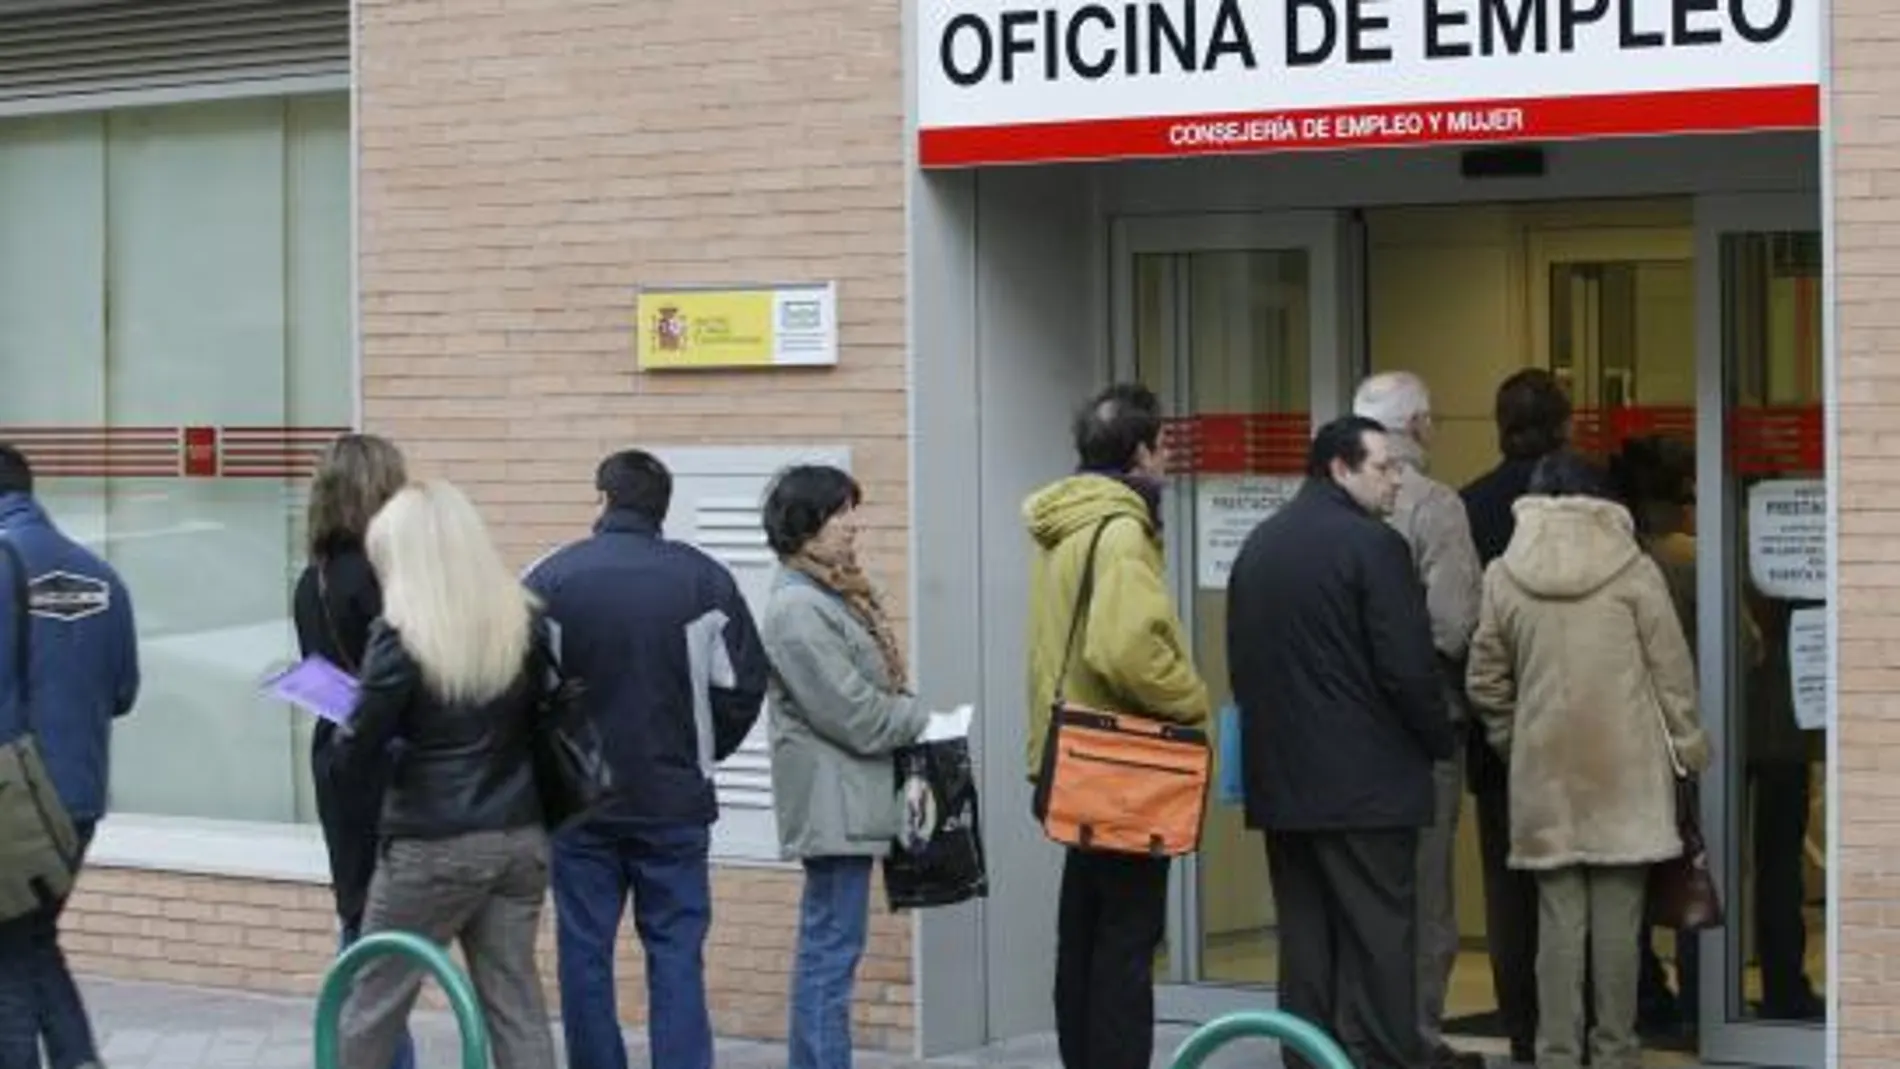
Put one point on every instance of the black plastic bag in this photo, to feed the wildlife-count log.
(937, 857)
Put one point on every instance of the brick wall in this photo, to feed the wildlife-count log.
(524, 165)
(279, 938)
(1866, 140)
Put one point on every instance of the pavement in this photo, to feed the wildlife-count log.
(156, 1026)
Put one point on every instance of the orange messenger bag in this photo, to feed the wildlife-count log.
(1115, 782)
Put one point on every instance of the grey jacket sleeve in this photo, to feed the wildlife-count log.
(809, 655)
(1448, 564)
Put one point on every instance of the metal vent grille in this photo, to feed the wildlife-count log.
(62, 50)
(730, 531)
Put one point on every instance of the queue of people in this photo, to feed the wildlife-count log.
(1392, 641)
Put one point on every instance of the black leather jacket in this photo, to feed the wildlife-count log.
(458, 768)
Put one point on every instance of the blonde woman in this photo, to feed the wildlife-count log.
(451, 681)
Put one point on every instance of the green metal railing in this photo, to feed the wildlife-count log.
(336, 987)
(1309, 1042)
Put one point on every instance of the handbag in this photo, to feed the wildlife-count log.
(1116, 782)
(1682, 893)
(39, 848)
(571, 773)
(936, 858)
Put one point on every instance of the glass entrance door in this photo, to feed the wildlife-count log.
(1236, 324)
(1764, 592)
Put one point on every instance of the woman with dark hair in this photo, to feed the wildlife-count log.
(840, 705)
(1584, 679)
(336, 599)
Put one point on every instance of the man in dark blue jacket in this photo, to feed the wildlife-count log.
(675, 675)
(81, 674)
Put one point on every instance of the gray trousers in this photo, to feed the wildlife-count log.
(483, 890)
(1437, 905)
(1589, 917)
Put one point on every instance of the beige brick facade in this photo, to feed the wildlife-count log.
(279, 938)
(523, 167)
(1866, 167)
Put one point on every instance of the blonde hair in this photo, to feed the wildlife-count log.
(462, 613)
(356, 475)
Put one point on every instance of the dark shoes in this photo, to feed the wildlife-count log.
(1447, 1058)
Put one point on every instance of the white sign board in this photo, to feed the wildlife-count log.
(1787, 538)
(1807, 666)
(1009, 81)
(1226, 510)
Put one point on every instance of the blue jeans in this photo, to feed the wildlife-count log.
(405, 1051)
(38, 999)
(666, 870)
(833, 918)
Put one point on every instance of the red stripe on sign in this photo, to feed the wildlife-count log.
(1702, 111)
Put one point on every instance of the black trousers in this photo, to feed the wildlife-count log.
(1510, 921)
(1781, 932)
(1348, 923)
(1110, 924)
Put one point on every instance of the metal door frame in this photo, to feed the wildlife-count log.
(1335, 360)
(1723, 1039)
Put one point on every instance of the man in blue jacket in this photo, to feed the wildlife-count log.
(81, 674)
(675, 675)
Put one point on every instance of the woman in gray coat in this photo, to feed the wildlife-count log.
(840, 704)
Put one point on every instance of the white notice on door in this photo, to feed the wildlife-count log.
(1787, 538)
(1807, 666)
(1226, 510)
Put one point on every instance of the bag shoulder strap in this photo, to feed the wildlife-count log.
(1084, 597)
(22, 637)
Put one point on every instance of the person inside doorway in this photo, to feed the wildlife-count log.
(1533, 421)
(1342, 713)
(1432, 520)
(1583, 677)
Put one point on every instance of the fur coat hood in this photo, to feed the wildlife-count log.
(1582, 675)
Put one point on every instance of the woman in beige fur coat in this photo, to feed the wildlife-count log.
(1582, 675)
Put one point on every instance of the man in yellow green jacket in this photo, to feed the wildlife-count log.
(1131, 656)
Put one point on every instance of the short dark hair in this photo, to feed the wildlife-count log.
(1342, 439)
(801, 501)
(1567, 473)
(1655, 469)
(634, 479)
(1115, 424)
(16, 472)
(1533, 413)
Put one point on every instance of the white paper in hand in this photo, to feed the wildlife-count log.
(943, 727)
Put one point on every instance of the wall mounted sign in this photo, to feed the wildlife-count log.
(1002, 81)
(1787, 538)
(764, 326)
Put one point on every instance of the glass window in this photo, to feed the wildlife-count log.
(1771, 294)
(173, 268)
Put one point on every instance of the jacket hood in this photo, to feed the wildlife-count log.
(1080, 502)
(1569, 547)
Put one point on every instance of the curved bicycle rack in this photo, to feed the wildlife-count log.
(336, 987)
(1306, 1040)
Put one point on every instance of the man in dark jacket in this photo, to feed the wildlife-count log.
(675, 675)
(1533, 420)
(81, 674)
(1342, 717)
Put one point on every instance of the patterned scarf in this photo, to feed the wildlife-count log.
(841, 574)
